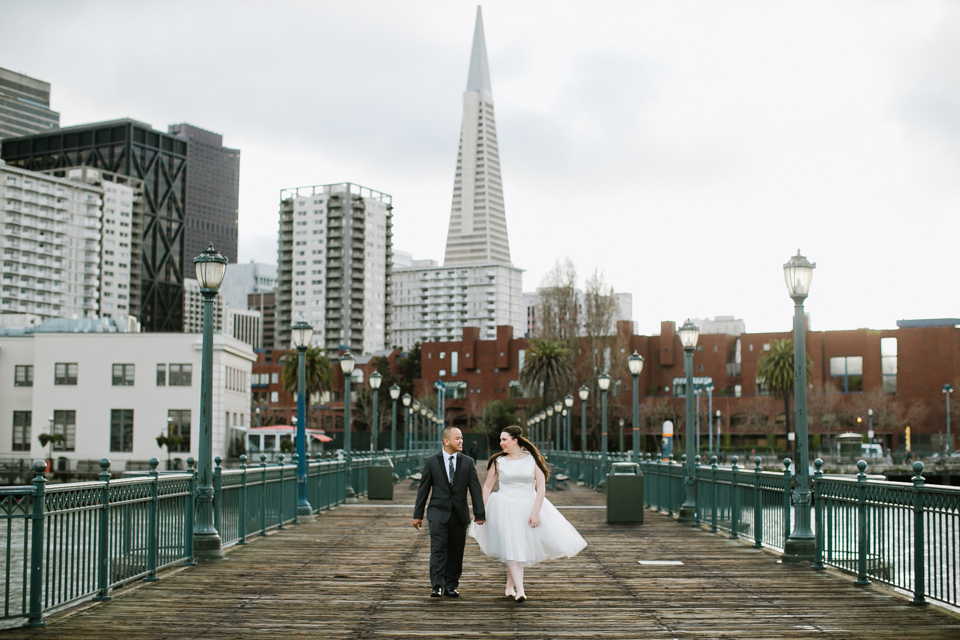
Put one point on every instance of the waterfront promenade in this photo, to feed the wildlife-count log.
(361, 572)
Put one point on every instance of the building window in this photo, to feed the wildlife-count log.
(121, 430)
(123, 375)
(179, 421)
(516, 391)
(23, 375)
(65, 424)
(161, 375)
(888, 364)
(21, 430)
(181, 375)
(65, 373)
(454, 362)
(274, 396)
(850, 371)
(456, 390)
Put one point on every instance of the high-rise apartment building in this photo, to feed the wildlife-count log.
(213, 194)
(25, 105)
(477, 285)
(478, 224)
(51, 245)
(334, 266)
(130, 148)
(266, 304)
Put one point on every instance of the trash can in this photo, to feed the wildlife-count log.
(380, 479)
(625, 493)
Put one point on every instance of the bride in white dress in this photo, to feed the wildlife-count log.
(522, 528)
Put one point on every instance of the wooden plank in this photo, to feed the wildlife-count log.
(362, 572)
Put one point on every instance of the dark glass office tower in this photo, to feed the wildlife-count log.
(25, 105)
(213, 193)
(135, 149)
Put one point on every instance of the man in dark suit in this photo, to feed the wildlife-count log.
(446, 478)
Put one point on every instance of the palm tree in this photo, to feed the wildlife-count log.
(319, 373)
(775, 371)
(548, 364)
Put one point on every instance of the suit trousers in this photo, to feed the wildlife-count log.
(447, 541)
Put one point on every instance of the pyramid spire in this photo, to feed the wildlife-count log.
(479, 77)
(478, 225)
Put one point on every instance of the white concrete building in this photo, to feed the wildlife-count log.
(334, 266)
(51, 245)
(243, 324)
(111, 395)
(531, 303)
(242, 279)
(433, 303)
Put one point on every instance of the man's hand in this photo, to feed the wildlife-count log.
(479, 521)
(416, 524)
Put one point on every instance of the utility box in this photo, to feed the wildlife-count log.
(625, 493)
(380, 479)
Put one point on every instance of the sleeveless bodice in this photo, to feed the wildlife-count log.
(517, 477)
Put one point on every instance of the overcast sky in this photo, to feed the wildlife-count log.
(687, 149)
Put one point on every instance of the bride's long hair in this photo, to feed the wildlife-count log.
(517, 434)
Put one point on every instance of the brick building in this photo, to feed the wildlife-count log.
(898, 373)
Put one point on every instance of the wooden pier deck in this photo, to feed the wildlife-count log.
(362, 572)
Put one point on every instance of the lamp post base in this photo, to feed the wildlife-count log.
(350, 496)
(686, 514)
(798, 551)
(305, 514)
(206, 547)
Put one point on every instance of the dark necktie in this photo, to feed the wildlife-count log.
(451, 470)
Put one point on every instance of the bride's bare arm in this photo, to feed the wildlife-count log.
(541, 492)
(488, 483)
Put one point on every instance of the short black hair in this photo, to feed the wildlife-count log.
(445, 433)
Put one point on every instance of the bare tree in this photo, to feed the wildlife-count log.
(558, 310)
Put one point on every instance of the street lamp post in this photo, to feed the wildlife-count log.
(558, 410)
(947, 390)
(302, 334)
(547, 425)
(718, 432)
(622, 422)
(424, 430)
(394, 395)
(584, 393)
(210, 268)
(568, 403)
(347, 363)
(799, 547)
(689, 333)
(709, 388)
(635, 364)
(416, 424)
(375, 380)
(603, 381)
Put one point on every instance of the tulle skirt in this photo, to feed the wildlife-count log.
(507, 536)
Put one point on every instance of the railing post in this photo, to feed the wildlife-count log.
(660, 483)
(716, 493)
(103, 546)
(757, 504)
(191, 513)
(862, 525)
(218, 497)
(734, 500)
(787, 495)
(282, 483)
(35, 615)
(242, 519)
(696, 490)
(818, 511)
(919, 585)
(263, 494)
(153, 523)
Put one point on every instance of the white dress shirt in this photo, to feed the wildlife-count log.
(446, 463)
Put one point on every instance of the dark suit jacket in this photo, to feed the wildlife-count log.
(447, 498)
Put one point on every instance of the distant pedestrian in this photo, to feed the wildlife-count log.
(474, 451)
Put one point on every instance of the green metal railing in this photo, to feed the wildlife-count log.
(67, 542)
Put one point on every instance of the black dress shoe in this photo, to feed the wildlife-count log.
(451, 593)
(436, 593)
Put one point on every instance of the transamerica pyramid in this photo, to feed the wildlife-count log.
(478, 224)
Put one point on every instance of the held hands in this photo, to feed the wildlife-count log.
(479, 521)
(534, 520)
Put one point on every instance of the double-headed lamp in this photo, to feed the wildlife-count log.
(798, 273)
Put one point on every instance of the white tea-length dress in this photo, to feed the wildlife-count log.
(507, 534)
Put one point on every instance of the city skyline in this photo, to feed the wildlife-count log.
(665, 145)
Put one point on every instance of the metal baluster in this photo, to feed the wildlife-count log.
(862, 525)
(818, 500)
(103, 550)
(242, 519)
(280, 501)
(191, 512)
(35, 615)
(696, 490)
(734, 501)
(153, 523)
(218, 497)
(716, 493)
(757, 504)
(787, 492)
(263, 494)
(919, 584)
